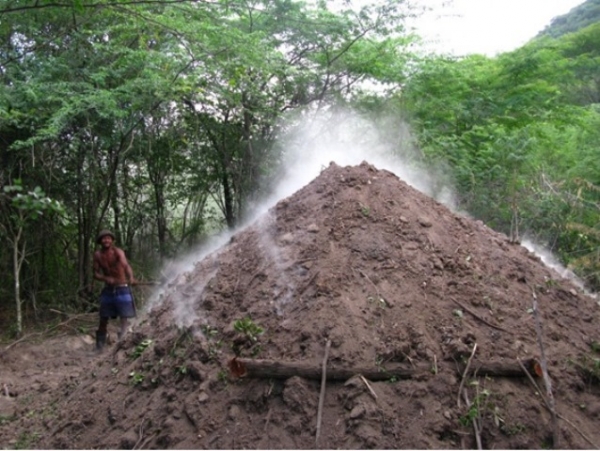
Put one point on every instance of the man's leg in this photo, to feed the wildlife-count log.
(126, 307)
(101, 333)
(124, 326)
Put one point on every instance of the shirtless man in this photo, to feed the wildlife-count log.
(111, 267)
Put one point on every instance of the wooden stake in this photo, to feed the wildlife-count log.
(464, 376)
(547, 406)
(373, 394)
(547, 382)
(474, 421)
(322, 395)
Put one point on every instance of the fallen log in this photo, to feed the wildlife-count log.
(271, 369)
(504, 369)
(242, 367)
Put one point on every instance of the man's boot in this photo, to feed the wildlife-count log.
(100, 340)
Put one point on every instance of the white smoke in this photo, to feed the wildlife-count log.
(175, 272)
(552, 262)
(347, 139)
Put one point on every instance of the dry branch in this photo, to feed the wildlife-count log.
(373, 394)
(379, 297)
(464, 374)
(547, 406)
(477, 316)
(49, 329)
(308, 284)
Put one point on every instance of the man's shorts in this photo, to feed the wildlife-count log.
(116, 302)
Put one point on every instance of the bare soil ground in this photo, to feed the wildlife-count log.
(424, 317)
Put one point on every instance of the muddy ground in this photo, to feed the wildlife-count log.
(433, 330)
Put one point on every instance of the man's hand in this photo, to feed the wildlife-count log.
(110, 280)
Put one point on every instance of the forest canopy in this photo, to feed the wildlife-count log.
(163, 120)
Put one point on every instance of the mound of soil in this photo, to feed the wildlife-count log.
(357, 313)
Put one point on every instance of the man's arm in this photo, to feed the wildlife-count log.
(126, 266)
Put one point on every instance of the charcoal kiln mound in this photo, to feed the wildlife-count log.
(432, 330)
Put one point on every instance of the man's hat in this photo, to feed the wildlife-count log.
(104, 233)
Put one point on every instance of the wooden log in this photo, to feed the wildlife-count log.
(243, 367)
(258, 368)
(504, 369)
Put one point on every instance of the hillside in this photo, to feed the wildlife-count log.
(579, 17)
(423, 319)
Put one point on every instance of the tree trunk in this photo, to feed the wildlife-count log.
(228, 198)
(17, 261)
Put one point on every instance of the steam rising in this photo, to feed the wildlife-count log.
(307, 147)
(346, 138)
(550, 260)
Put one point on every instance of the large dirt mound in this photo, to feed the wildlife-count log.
(425, 318)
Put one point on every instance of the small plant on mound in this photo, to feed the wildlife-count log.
(183, 341)
(476, 409)
(365, 210)
(5, 419)
(139, 349)
(214, 343)
(247, 327)
(26, 439)
(248, 334)
(136, 378)
(589, 369)
(483, 413)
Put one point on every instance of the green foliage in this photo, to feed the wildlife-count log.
(26, 440)
(30, 205)
(209, 331)
(140, 348)
(181, 344)
(5, 419)
(214, 343)
(589, 368)
(477, 408)
(511, 429)
(136, 378)
(160, 119)
(19, 211)
(579, 17)
(223, 377)
(519, 134)
(247, 327)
